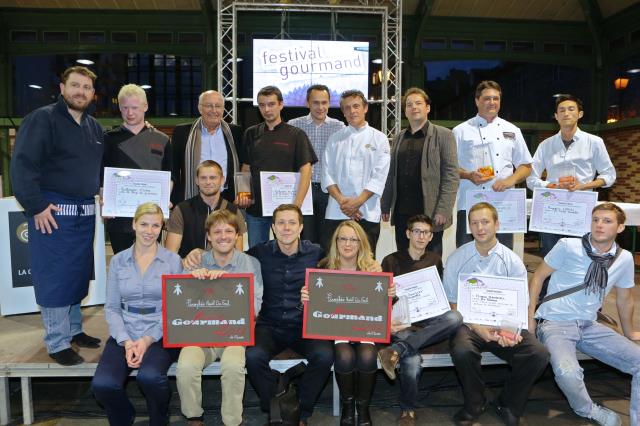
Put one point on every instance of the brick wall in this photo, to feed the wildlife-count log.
(624, 149)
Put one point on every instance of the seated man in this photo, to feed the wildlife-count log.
(284, 262)
(526, 355)
(222, 232)
(185, 227)
(407, 343)
(591, 267)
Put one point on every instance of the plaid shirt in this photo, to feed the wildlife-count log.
(318, 135)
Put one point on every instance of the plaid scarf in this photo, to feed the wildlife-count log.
(597, 275)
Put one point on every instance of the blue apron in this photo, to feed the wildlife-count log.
(62, 262)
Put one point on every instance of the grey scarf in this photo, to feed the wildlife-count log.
(597, 275)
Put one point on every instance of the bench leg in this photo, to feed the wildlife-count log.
(5, 401)
(27, 402)
(336, 396)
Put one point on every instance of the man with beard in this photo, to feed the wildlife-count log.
(55, 173)
(207, 138)
(185, 228)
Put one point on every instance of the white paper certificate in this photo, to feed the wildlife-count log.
(125, 189)
(280, 188)
(424, 292)
(511, 205)
(558, 211)
(487, 299)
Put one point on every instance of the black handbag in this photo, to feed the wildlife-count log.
(284, 408)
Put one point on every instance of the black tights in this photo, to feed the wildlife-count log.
(355, 356)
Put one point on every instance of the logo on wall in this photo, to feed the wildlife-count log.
(20, 263)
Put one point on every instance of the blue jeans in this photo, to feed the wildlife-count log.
(258, 228)
(108, 384)
(407, 343)
(548, 241)
(562, 338)
(60, 325)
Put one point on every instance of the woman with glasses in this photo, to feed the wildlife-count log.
(355, 362)
(133, 311)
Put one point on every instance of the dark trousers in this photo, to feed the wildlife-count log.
(270, 340)
(408, 342)
(108, 384)
(402, 242)
(462, 237)
(548, 241)
(121, 241)
(314, 224)
(528, 360)
(370, 228)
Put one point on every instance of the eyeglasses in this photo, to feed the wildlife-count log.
(210, 106)
(345, 240)
(420, 233)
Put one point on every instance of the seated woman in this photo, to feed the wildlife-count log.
(133, 310)
(355, 363)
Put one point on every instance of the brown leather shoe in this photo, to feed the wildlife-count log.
(407, 418)
(388, 360)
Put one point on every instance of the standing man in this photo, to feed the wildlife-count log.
(423, 177)
(207, 138)
(407, 343)
(525, 354)
(284, 262)
(185, 227)
(273, 146)
(572, 159)
(591, 266)
(55, 173)
(132, 145)
(355, 165)
(318, 127)
(222, 232)
(488, 143)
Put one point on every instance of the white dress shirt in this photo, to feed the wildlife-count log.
(499, 261)
(506, 145)
(587, 154)
(355, 160)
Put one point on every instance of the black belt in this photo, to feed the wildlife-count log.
(135, 310)
(316, 185)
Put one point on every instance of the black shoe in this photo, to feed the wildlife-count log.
(507, 417)
(464, 418)
(85, 341)
(67, 357)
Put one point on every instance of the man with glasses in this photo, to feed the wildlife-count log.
(207, 138)
(407, 343)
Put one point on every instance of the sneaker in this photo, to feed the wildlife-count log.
(407, 418)
(604, 416)
(67, 357)
(85, 341)
(388, 360)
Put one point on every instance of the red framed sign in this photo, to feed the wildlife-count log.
(207, 312)
(347, 305)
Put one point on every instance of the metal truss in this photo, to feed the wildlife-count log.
(390, 12)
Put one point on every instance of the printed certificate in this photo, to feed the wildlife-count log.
(558, 211)
(424, 292)
(125, 189)
(207, 312)
(280, 188)
(347, 305)
(511, 205)
(487, 299)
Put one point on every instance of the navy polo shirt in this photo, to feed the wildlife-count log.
(283, 276)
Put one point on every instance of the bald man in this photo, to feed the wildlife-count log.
(207, 138)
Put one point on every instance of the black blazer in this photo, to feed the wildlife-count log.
(179, 144)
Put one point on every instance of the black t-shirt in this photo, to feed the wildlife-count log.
(283, 149)
(409, 199)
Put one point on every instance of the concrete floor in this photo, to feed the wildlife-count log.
(69, 401)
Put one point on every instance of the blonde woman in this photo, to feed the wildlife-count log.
(355, 362)
(133, 311)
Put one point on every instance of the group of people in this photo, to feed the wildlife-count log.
(357, 179)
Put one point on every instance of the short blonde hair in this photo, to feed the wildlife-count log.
(147, 208)
(130, 90)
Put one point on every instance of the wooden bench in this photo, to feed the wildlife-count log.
(436, 356)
